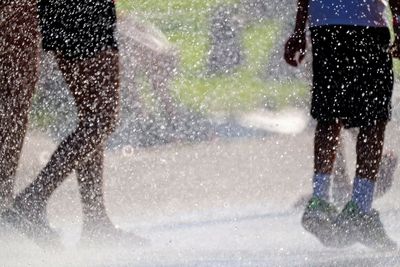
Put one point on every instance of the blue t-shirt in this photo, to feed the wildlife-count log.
(347, 12)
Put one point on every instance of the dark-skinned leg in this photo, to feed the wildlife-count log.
(326, 142)
(369, 149)
(19, 42)
(358, 222)
(97, 99)
(90, 179)
(319, 214)
(97, 226)
(369, 153)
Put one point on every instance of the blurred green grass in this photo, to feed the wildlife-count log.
(186, 24)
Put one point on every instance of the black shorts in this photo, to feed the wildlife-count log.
(352, 74)
(77, 28)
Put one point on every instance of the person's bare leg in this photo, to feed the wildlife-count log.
(358, 222)
(369, 153)
(90, 179)
(97, 225)
(326, 142)
(342, 185)
(369, 149)
(319, 213)
(94, 86)
(19, 42)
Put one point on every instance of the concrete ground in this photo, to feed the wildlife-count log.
(227, 202)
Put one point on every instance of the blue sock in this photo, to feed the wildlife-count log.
(363, 193)
(321, 184)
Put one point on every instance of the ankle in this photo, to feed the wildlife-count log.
(321, 185)
(363, 192)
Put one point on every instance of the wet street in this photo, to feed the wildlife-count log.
(227, 202)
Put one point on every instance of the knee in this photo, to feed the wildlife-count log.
(110, 123)
(107, 120)
(100, 123)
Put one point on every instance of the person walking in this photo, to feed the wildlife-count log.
(352, 87)
(81, 35)
(19, 64)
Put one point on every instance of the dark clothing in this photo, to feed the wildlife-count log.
(77, 28)
(353, 76)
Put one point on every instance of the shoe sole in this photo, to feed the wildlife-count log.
(323, 229)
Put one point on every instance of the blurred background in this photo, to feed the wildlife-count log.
(190, 70)
(193, 71)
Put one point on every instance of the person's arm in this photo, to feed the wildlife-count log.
(302, 16)
(395, 8)
(296, 44)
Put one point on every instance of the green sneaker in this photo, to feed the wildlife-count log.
(318, 219)
(366, 228)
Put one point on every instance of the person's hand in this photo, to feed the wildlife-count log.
(295, 49)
